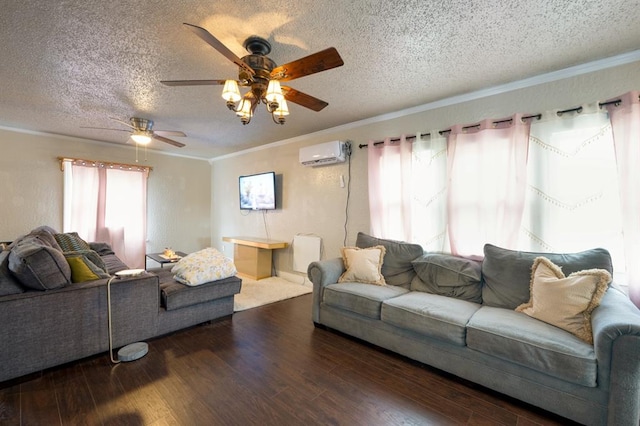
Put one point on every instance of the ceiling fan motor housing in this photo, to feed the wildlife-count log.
(262, 67)
(141, 123)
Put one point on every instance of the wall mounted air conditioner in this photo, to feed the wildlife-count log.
(322, 154)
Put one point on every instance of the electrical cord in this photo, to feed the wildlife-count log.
(347, 147)
(109, 315)
(266, 228)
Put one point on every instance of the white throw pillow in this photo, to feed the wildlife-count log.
(202, 267)
(565, 302)
(363, 265)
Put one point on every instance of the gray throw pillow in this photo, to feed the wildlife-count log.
(38, 266)
(71, 241)
(507, 273)
(448, 275)
(8, 284)
(396, 265)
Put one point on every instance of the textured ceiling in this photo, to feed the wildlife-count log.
(68, 64)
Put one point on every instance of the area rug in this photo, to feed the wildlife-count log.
(268, 290)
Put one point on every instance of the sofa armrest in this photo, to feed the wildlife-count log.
(616, 333)
(323, 273)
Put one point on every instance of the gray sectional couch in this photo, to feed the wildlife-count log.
(458, 315)
(48, 320)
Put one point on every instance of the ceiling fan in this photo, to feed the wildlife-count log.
(142, 131)
(262, 76)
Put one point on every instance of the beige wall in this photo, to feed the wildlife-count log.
(192, 204)
(31, 188)
(313, 201)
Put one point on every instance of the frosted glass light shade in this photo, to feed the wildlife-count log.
(274, 92)
(283, 109)
(141, 138)
(245, 108)
(230, 92)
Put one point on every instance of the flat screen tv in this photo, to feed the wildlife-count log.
(258, 192)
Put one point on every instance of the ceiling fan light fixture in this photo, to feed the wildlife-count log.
(279, 115)
(141, 137)
(231, 92)
(274, 94)
(262, 76)
(245, 112)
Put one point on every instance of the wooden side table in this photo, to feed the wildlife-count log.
(158, 257)
(252, 256)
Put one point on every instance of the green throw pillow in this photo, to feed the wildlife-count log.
(83, 266)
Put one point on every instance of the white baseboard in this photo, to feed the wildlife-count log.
(297, 278)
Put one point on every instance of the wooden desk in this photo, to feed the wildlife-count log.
(252, 256)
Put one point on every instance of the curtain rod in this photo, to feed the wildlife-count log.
(104, 164)
(615, 102)
(442, 132)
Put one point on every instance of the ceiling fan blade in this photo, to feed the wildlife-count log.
(192, 82)
(169, 141)
(123, 122)
(216, 44)
(317, 62)
(169, 133)
(308, 101)
(104, 128)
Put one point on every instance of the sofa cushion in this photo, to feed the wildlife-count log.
(520, 339)
(506, 273)
(46, 235)
(102, 249)
(448, 275)
(113, 263)
(566, 302)
(8, 284)
(175, 295)
(363, 265)
(359, 298)
(396, 267)
(432, 315)
(38, 266)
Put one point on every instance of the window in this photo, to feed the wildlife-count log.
(108, 203)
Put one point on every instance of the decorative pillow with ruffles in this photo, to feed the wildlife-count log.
(565, 302)
(363, 265)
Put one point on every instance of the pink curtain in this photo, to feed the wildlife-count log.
(390, 189)
(625, 121)
(108, 205)
(487, 182)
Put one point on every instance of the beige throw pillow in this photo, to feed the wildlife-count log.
(565, 302)
(363, 265)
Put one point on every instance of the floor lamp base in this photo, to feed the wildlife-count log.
(133, 351)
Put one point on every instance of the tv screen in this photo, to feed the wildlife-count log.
(258, 192)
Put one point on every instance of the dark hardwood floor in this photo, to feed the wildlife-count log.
(266, 366)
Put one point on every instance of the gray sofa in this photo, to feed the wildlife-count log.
(458, 315)
(46, 327)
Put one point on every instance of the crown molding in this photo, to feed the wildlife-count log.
(589, 67)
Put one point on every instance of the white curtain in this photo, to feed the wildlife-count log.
(108, 205)
(625, 119)
(389, 170)
(572, 187)
(486, 172)
(429, 199)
